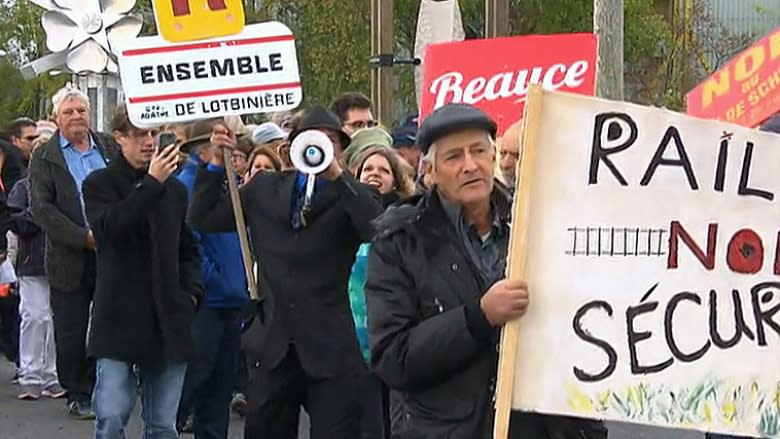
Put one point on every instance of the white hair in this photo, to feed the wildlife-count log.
(430, 156)
(66, 93)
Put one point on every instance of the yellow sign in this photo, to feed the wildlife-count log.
(190, 20)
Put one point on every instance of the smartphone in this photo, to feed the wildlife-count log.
(165, 138)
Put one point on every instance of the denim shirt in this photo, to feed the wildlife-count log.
(488, 253)
(81, 164)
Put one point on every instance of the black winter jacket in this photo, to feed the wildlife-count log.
(32, 241)
(421, 291)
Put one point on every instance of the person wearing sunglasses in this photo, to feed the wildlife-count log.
(354, 111)
(22, 134)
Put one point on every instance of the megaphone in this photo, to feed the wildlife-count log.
(311, 152)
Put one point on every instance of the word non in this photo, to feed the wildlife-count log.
(616, 132)
(744, 253)
(259, 102)
(215, 68)
(760, 312)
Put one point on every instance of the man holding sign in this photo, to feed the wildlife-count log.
(437, 295)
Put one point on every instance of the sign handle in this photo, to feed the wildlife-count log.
(238, 213)
(518, 257)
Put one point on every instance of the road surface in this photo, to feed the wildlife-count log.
(46, 419)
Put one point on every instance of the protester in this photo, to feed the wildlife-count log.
(263, 159)
(380, 168)
(9, 303)
(362, 140)
(354, 111)
(436, 296)
(148, 283)
(405, 142)
(211, 376)
(57, 171)
(17, 149)
(196, 151)
(240, 155)
(509, 151)
(266, 133)
(302, 347)
(37, 351)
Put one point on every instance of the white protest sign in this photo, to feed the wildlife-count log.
(653, 267)
(255, 71)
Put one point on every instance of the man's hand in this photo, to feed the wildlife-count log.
(506, 300)
(221, 138)
(91, 244)
(333, 172)
(164, 163)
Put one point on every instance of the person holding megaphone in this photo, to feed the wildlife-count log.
(305, 226)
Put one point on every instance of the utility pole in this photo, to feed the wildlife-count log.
(608, 25)
(382, 43)
(496, 18)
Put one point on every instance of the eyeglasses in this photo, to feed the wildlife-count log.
(359, 124)
(31, 138)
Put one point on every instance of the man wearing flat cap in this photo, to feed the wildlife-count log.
(301, 348)
(437, 296)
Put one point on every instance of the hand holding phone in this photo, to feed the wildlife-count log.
(164, 139)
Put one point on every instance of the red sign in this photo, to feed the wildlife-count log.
(495, 74)
(746, 91)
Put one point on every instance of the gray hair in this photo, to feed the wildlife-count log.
(66, 93)
(430, 156)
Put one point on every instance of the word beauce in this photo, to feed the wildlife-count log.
(215, 68)
(614, 133)
(759, 311)
(505, 85)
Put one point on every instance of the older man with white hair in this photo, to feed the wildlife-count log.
(57, 171)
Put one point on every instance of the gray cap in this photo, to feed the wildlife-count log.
(267, 132)
(452, 118)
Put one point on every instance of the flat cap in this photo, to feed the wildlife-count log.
(452, 118)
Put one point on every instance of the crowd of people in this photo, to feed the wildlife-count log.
(381, 281)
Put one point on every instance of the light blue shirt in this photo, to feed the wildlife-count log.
(81, 164)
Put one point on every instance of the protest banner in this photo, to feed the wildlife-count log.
(746, 91)
(253, 72)
(494, 74)
(650, 243)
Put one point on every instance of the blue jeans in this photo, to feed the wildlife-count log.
(212, 372)
(114, 398)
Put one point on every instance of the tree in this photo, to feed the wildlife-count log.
(23, 38)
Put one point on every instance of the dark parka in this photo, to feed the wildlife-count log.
(56, 208)
(148, 267)
(303, 273)
(419, 282)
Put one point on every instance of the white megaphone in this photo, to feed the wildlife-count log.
(311, 152)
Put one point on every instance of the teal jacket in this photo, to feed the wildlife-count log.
(357, 298)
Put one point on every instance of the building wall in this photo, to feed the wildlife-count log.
(756, 17)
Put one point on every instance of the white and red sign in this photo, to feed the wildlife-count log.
(495, 74)
(255, 71)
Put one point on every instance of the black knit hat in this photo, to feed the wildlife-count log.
(452, 118)
(322, 118)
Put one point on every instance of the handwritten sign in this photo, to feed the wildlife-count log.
(654, 268)
(495, 74)
(254, 72)
(190, 20)
(746, 91)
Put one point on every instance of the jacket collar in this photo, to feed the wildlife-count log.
(426, 212)
(52, 150)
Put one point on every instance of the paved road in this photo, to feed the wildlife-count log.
(46, 419)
